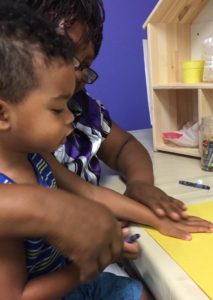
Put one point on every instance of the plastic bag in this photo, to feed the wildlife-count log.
(186, 137)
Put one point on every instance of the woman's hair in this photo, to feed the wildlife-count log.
(23, 35)
(88, 12)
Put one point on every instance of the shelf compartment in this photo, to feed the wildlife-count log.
(169, 45)
(171, 110)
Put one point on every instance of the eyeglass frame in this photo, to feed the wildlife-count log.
(91, 73)
(79, 65)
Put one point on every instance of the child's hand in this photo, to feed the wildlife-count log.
(158, 201)
(184, 227)
(130, 250)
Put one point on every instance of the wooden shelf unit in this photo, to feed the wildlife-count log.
(171, 35)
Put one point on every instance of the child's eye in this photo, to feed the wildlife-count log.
(57, 111)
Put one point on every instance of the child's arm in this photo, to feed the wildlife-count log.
(52, 286)
(123, 207)
(13, 277)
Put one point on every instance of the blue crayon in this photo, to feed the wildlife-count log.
(195, 184)
(132, 238)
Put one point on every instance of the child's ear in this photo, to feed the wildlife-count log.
(4, 115)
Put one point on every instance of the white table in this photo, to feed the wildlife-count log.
(165, 278)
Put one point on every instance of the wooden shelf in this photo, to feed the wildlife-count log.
(176, 30)
(179, 150)
(182, 86)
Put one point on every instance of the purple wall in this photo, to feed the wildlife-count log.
(121, 86)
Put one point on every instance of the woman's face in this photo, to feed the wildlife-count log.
(85, 52)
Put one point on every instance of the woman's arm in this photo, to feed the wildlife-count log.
(29, 210)
(122, 152)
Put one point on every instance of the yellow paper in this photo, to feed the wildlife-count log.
(195, 257)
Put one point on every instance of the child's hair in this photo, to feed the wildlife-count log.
(88, 12)
(22, 35)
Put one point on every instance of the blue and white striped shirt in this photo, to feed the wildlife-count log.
(41, 257)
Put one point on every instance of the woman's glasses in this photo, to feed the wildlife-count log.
(88, 75)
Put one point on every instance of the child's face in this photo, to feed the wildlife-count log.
(42, 121)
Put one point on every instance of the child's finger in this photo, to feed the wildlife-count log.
(131, 251)
(132, 248)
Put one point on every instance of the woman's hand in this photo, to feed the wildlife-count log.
(157, 200)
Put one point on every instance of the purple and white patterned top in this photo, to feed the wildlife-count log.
(91, 127)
